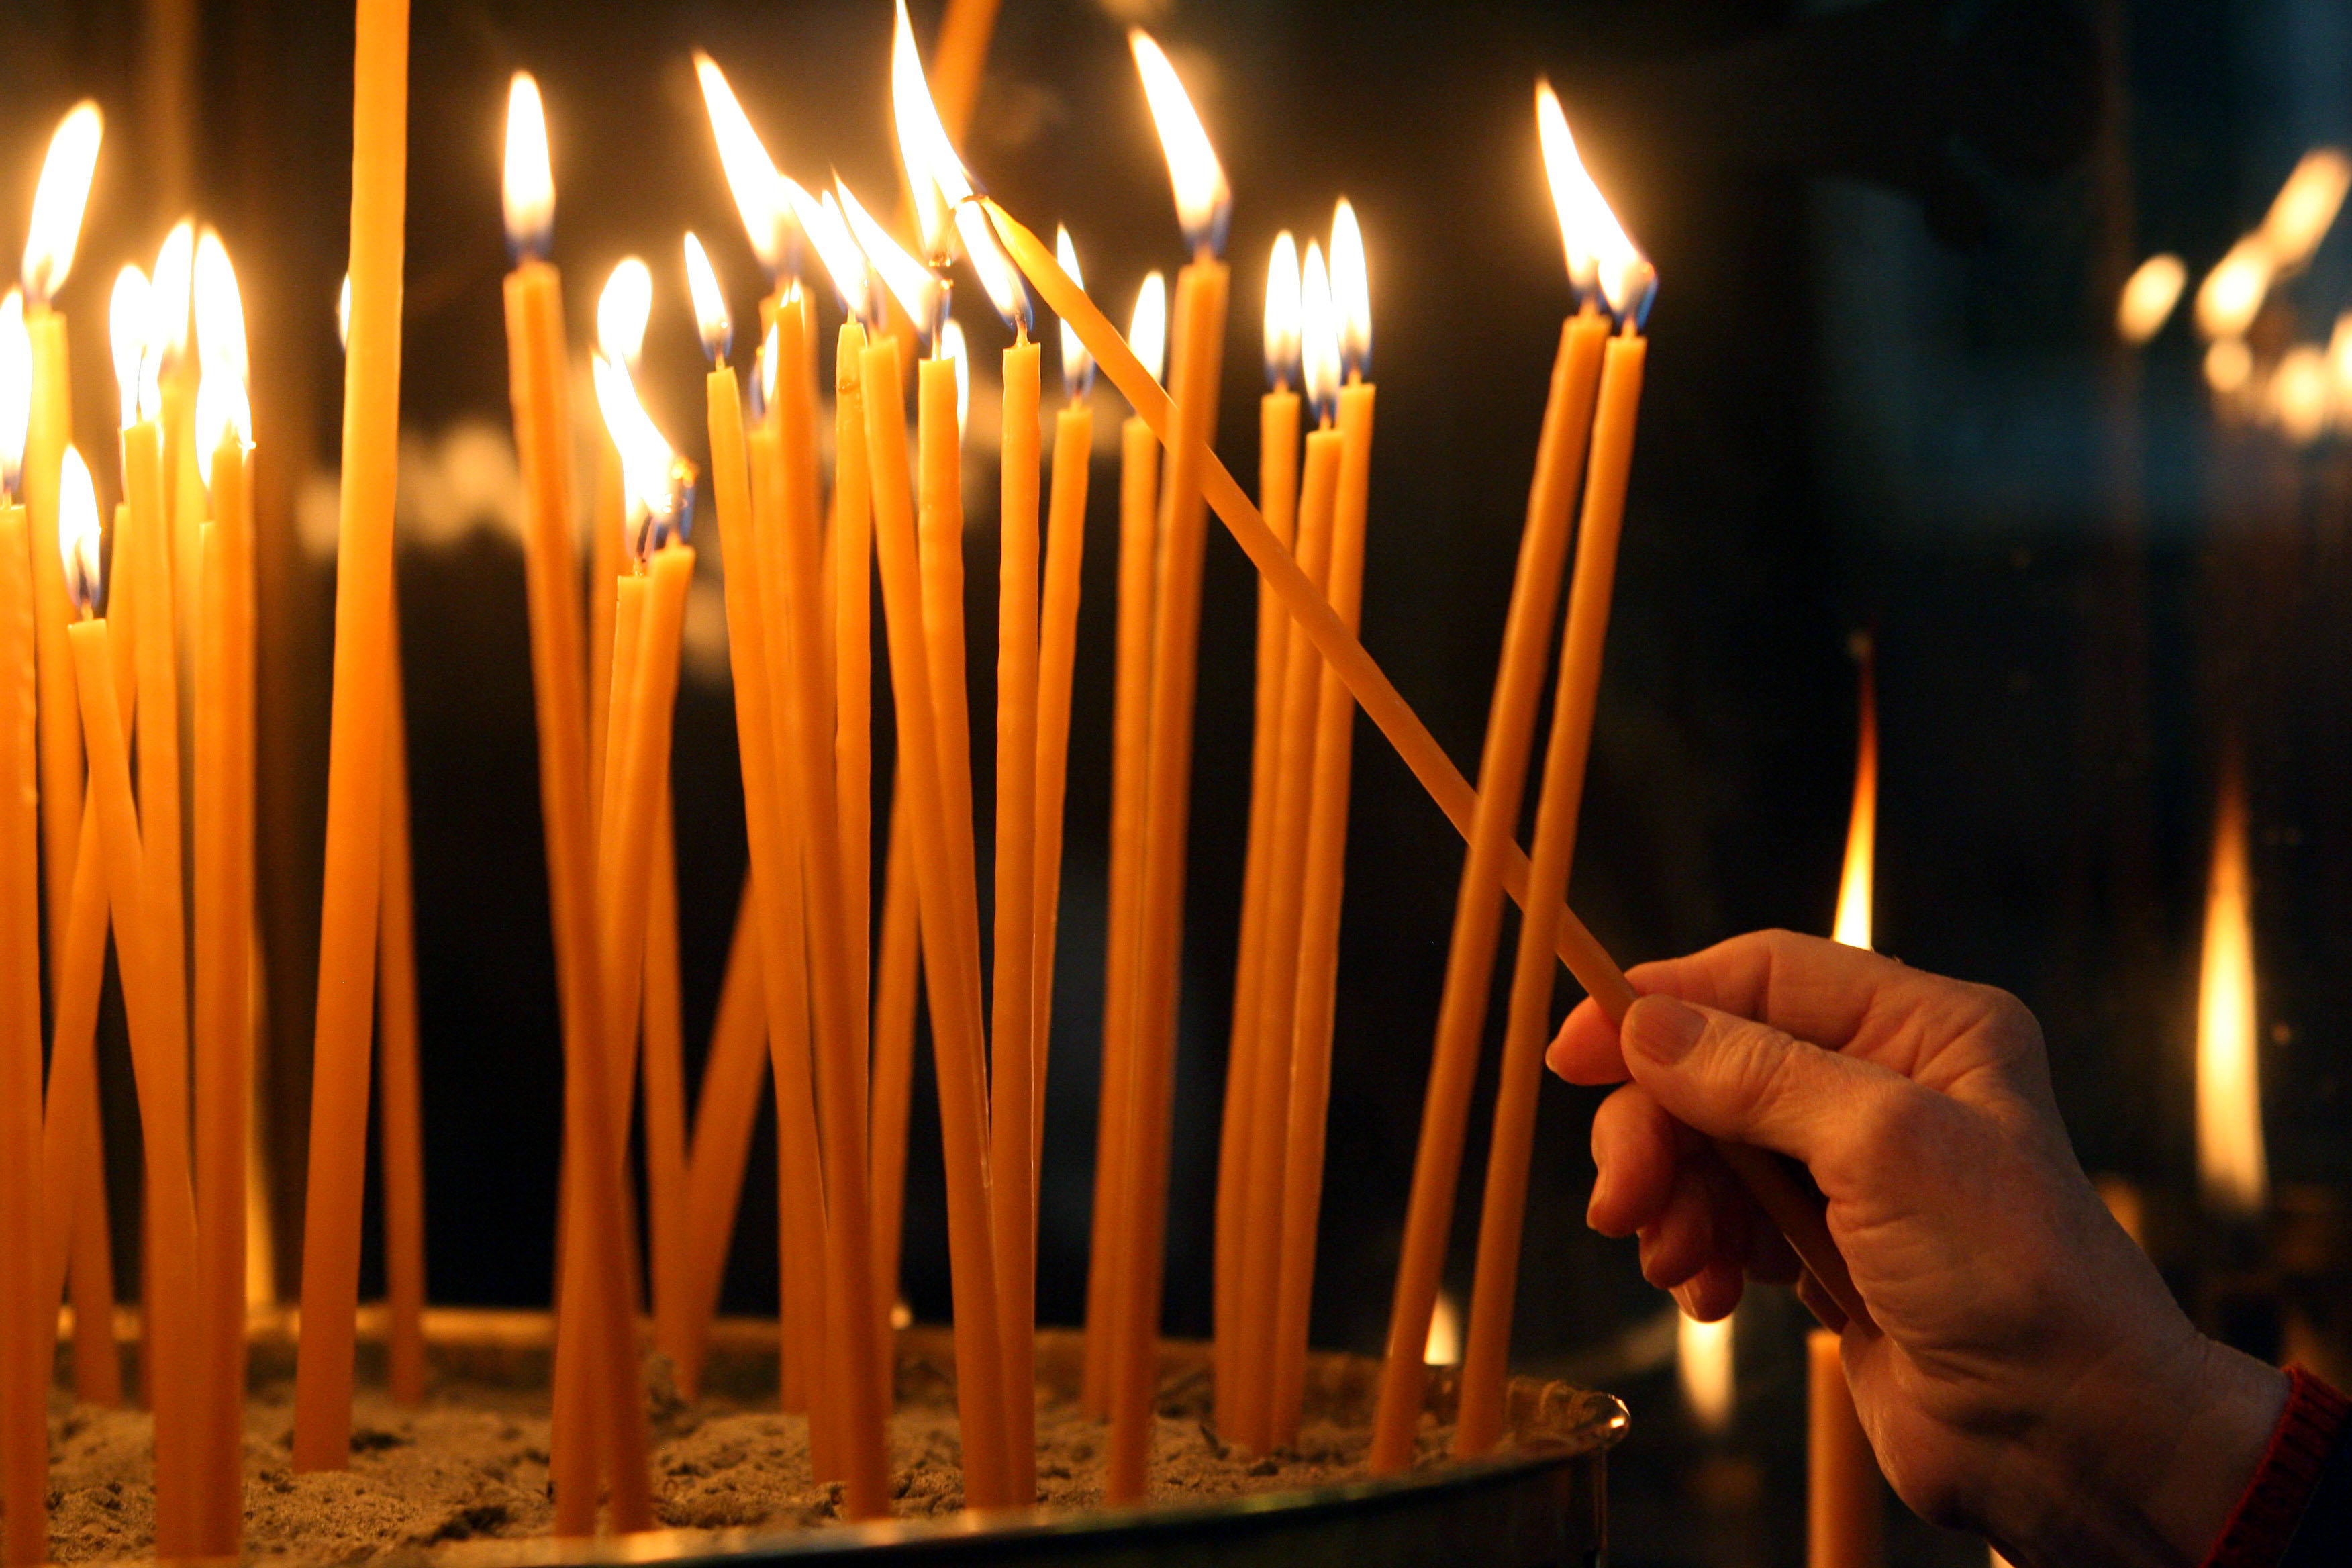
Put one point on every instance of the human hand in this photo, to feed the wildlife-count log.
(2032, 1378)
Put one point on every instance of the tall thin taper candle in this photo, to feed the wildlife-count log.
(947, 962)
(27, 1323)
(1305, 1097)
(73, 1154)
(1057, 653)
(596, 1361)
(732, 1072)
(852, 1325)
(1131, 693)
(1012, 1075)
(1277, 497)
(1264, 1094)
(896, 973)
(401, 1109)
(775, 882)
(224, 841)
(172, 1221)
(852, 548)
(1199, 338)
(355, 767)
(1486, 1367)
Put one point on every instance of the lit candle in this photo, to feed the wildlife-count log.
(1139, 533)
(1853, 903)
(1057, 652)
(1511, 723)
(1308, 1082)
(142, 565)
(659, 487)
(852, 1323)
(357, 738)
(1266, 1092)
(775, 880)
(949, 944)
(1277, 497)
(2233, 1174)
(171, 1216)
(80, 1247)
(940, 185)
(596, 1362)
(1203, 204)
(50, 238)
(27, 1296)
(885, 1034)
(222, 739)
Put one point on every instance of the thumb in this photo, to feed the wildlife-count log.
(1732, 1077)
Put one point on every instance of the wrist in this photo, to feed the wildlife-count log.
(2146, 1455)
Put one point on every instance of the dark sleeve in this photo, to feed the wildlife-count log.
(2296, 1513)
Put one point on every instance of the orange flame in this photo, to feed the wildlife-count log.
(1205, 201)
(2231, 1170)
(1853, 926)
(1703, 1365)
(529, 190)
(60, 200)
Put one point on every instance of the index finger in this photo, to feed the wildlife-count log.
(1817, 990)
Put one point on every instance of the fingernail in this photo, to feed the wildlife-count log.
(1664, 1029)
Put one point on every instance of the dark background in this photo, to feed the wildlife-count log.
(1884, 391)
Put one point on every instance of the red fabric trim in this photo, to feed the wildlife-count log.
(2263, 1525)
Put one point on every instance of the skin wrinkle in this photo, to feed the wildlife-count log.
(2035, 1380)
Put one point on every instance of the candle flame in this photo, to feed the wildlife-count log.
(78, 536)
(648, 463)
(1853, 926)
(59, 202)
(836, 247)
(1318, 334)
(2232, 293)
(908, 280)
(2339, 367)
(2300, 392)
(751, 173)
(2228, 365)
(529, 187)
(2305, 207)
(1703, 1364)
(1444, 1346)
(343, 313)
(1146, 330)
(1077, 366)
(1205, 201)
(1600, 254)
(15, 391)
(223, 405)
(1282, 313)
(1351, 294)
(126, 328)
(2149, 297)
(170, 294)
(953, 349)
(942, 189)
(2231, 1169)
(622, 311)
(710, 317)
